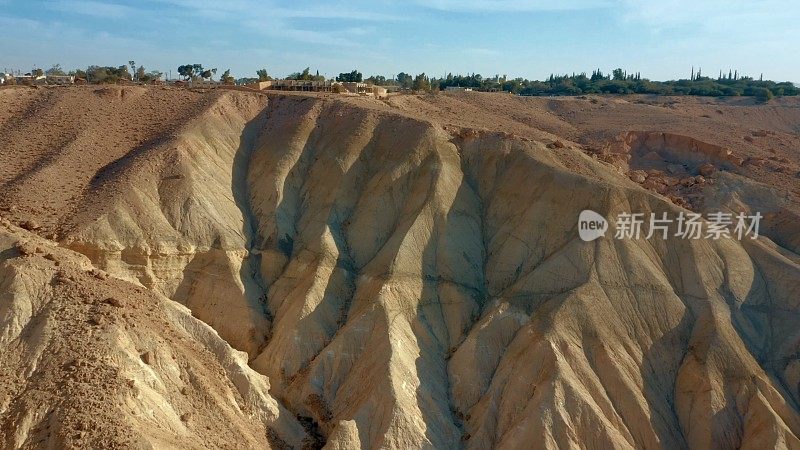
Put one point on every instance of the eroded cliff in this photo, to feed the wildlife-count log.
(406, 280)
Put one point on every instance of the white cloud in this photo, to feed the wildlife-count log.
(734, 16)
(277, 22)
(91, 8)
(327, 12)
(237, 8)
(505, 6)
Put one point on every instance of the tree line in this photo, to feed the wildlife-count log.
(103, 74)
(618, 81)
(621, 82)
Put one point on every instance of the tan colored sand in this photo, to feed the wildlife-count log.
(406, 273)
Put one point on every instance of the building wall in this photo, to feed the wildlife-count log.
(260, 85)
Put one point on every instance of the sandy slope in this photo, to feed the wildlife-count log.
(407, 273)
(92, 361)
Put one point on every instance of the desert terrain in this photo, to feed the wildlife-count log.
(227, 269)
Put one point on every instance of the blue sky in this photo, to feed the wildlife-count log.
(661, 39)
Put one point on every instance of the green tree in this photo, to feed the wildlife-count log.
(107, 74)
(263, 75)
(123, 74)
(197, 69)
(353, 77)
(226, 77)
(378, 80)
(55, 70)
(141, 75)
(152, 76)
(186, 71)
(404, 80)
(208, 74)
(96, 74)
(78, 73)
(191, 71)
(304, 75)
(422, 83)
(764, 95)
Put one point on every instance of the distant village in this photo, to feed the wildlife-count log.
(341, 87)
(617, 82)
(35, 80)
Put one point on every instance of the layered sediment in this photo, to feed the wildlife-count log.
(396, 276)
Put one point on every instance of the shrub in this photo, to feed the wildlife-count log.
(764, 95)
